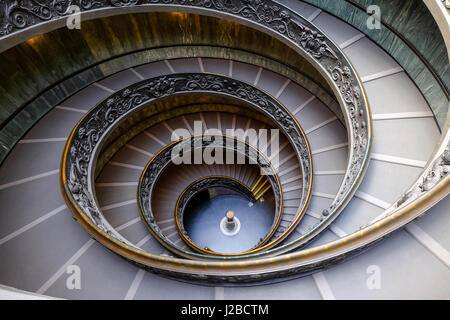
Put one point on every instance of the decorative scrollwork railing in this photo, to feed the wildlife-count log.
(436, 172)
(310, 43)
(86, 140)
(276, 20)
(272, 18)
(203, 184)
(165, 158)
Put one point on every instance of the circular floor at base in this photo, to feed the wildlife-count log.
(203, 218)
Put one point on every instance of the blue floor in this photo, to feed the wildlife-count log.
(202, 223)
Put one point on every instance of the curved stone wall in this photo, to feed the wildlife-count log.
(409, 33)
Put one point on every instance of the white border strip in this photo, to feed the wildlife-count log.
(63, 268)
(24, 141)
(98, 85)
(337, 231)
(373, 200)
(127, 224)
(323, 286)
(398, 160)
(337, 146)
(129, 146)
(169, 65)
(152, 136)
(116, 184)
(283, 87)
(314, 15)
(329, 172)
(219, 293)
(303, 105)
(118, 205)
(71, 109)
(25, 180)
(381, 74)
(258, 76)
(323, 195)
(320, 125)
(351, 41)
(200, 63)
(402, 115)
(125, 165)
(429, 243)
(135, 285)
(32, 224)
(140, 76)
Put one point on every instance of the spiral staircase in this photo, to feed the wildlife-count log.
(360, 178)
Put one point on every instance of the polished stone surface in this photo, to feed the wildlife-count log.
(80, 91)
(203, 218)
(413, 21)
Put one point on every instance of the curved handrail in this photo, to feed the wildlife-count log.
(162, 159)
(299, 262)
(276, 20)
(199, 185)
(86, 139)
(296, 262)
(328, 59)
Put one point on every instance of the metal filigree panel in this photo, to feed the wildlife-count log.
(87, 137)
(165, 158)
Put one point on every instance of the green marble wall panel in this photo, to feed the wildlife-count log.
(412, 19)
(18, 125)
(35, 65)
(168, 109)
(43, 71)
(435, 95)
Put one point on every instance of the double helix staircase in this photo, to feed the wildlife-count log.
(39, 238)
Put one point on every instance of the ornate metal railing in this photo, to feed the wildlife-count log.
(268, 16)
(313, 45)
(205, 183)
(165, 158)
(87, 138)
